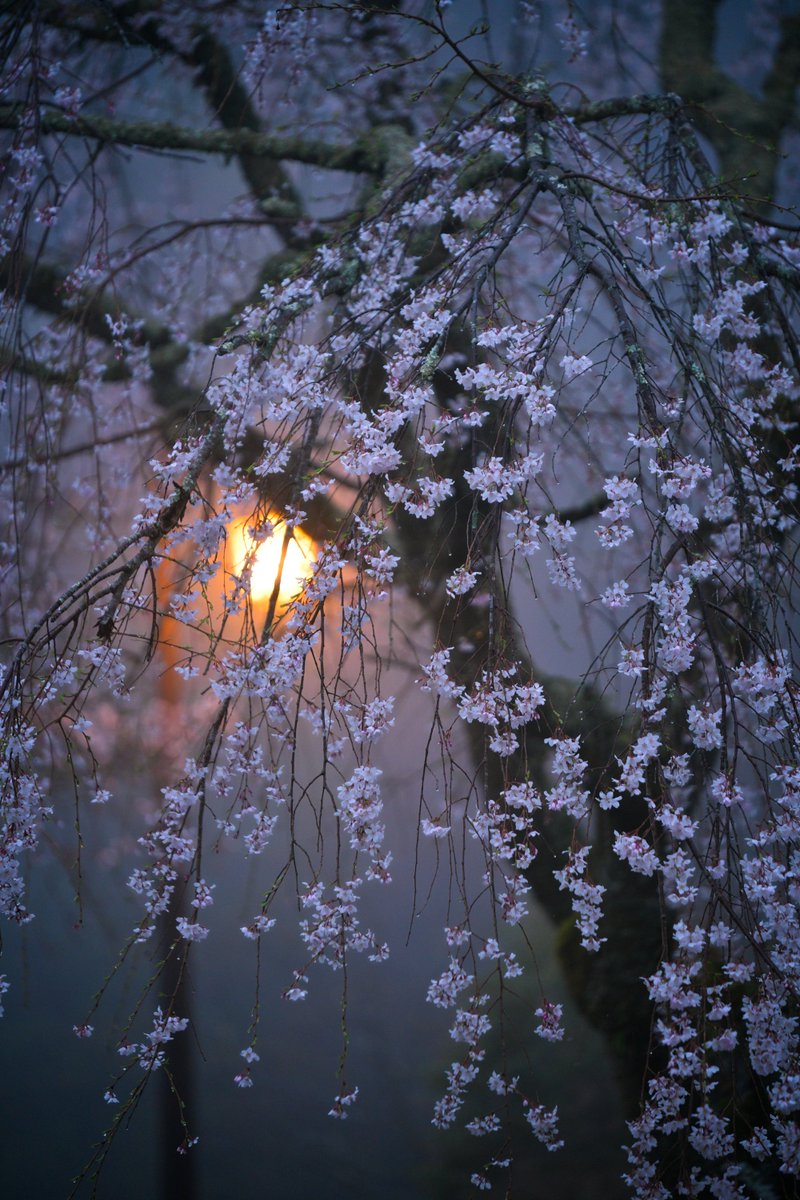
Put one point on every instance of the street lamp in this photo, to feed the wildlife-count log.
(258, 545)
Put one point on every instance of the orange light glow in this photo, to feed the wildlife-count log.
(264, 556)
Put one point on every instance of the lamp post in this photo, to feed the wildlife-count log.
(271, 561)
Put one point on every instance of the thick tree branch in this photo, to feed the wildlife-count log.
(49, 456)
(664, 104)
(46, 287)
(167, 137)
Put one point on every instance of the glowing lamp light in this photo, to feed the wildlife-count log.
(264, 557)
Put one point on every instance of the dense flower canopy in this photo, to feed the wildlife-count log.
(473, 347)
